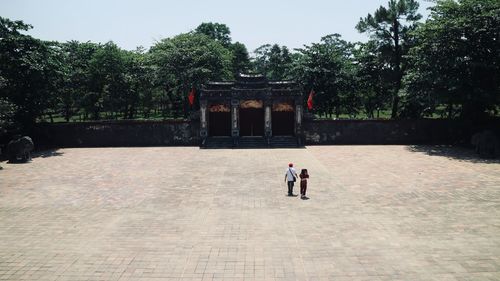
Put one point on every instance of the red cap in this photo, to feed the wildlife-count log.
(290, 164)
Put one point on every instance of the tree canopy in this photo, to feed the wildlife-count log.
(189, 60)
(390, 27)
(326, 68)
(445, 66)
(455, 60)
(273, 61)
(216, 31)
(30, 71)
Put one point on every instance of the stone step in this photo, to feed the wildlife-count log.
(284, 142)
(250, 142)
(218, 142)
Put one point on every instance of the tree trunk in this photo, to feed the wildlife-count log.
(397, 69)
(395, 105)
(131, 112)
(67, 113)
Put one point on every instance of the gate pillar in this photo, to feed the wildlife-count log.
(298, 122)
(235, 124)
(268, 130)
(203, 119)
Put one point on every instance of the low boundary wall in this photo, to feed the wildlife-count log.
(316, 132)
(118, 133)
(420, 131)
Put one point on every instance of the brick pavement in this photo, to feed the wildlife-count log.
(375, 213)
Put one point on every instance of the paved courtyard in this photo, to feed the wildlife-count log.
(159, 213)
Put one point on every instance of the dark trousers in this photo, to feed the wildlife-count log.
(303, 188)
(290, 187)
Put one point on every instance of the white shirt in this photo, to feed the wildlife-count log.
(289, 176)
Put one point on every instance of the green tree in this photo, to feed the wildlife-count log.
(108, 82)
(391, 27)
(280, 62)
(273, 61)
(261, 60)
(456, 60)
(188, 60)
(240, 59)
(372, 77)
(31, 69)
(77, 77)
(217, 31)
(327, 68)
(139, 78)
(7, 111)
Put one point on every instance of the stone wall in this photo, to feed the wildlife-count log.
(422, 131)
(118, 133)
(317, 132)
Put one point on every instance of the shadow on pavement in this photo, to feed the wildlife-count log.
(43, 154)
(452, 152)
(46, 153)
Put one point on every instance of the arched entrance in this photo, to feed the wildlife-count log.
(219, 120)
(251, 118)
(283, 118)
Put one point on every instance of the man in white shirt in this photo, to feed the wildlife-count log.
(290, 177)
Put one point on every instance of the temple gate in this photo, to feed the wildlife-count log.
(251, 111)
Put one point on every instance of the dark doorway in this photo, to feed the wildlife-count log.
(251, 121)
(219, 123)
(283, 123)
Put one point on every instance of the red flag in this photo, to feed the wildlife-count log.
(191, 97)
(310, 100)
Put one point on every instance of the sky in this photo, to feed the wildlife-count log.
(132, 23)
